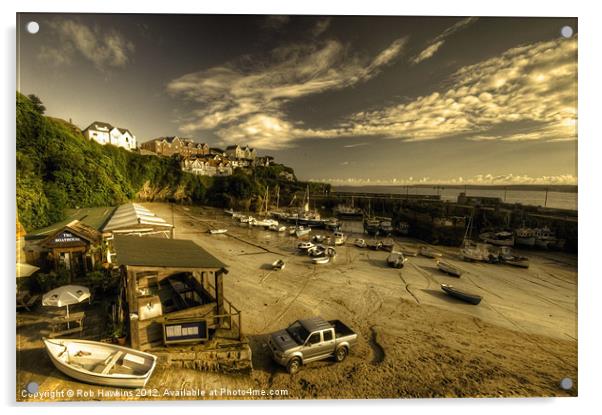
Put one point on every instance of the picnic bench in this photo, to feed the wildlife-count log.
(26, 300)
(57, 324)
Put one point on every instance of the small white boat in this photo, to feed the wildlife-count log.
(277, 228)
(449, 268)
(101, 363)
(339, 238)
(217, 231)
(278, 264)
(321, 260)
(360, 243)
(304, 246)
(429, 252)
(301, 231)
(396, 259)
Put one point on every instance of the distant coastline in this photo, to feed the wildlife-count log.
(397, 188)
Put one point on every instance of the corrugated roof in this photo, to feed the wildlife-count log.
(159, 252)
(133, 216)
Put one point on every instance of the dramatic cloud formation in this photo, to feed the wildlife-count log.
(105, 48)
(438, 41)
(527, 93)
(480, 179)
(243, 100)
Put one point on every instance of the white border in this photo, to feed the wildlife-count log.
(589, 192)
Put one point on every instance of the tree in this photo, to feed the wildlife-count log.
(37, 104)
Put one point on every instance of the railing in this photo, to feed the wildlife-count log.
(225, 320)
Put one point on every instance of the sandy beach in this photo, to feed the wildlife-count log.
(414, 341)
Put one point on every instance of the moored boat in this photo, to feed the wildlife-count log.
(461, 295)
(304, 246)
(429, 252)
(407, 251)
(321, 260)
(339, 238)
(101, 363)
(217, 231)
(373, 244)
(449, 268)
(503, 238)
(301, 231)
(524, 237)
(360, 243)
(278, 265)
(387, 245)
(396, 259)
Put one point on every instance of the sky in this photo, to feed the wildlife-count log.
(348, 100)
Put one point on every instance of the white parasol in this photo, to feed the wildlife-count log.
(65, 296)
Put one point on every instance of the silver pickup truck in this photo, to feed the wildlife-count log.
(309, 340)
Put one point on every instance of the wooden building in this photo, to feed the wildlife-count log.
(74, 247)
(173, 293)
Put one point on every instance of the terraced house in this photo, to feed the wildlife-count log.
(168, 146)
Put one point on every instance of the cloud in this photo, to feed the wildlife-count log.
(438, 41)
(105, 48)
(276, 22)
(490, 100)
(242, 101)
(480, 179)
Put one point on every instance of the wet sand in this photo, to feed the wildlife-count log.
(414, 341)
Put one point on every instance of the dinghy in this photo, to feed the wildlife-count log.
(301, 231)
(278, 264)
(429, 252)
(321, 260)
(217, 231)
(101, 363)
(449, 268)
(339, 238)
(461, 295)
(396, 259)
(408, 251)
(360, 243)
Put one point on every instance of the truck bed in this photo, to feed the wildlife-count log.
(340, 329)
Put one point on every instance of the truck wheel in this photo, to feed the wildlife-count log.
(293, 366)
(340, 354)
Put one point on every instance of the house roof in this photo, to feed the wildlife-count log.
(98, 125)
(232, 147)
(159, 252)
(125, 130)
(133, 216)
(94, 217)
(77, 228)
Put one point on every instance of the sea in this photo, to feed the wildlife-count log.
(558, 200)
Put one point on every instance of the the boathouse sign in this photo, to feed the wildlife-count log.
(66, 237)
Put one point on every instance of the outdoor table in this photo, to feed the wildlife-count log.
(57, 324)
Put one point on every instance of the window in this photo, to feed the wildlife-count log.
(314, 339)
(327, 335)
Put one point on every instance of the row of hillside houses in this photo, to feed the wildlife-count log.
(220, 164)
(104, 133)
(168, 146)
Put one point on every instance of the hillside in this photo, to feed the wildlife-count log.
(58, 168)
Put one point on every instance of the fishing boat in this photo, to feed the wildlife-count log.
(217, 231)
(429, 252)
(449, 268)
(101, 363)
(321, 260)
(396, 259)
(524, 237)
(360, 243)
(278, 265)
(474, 252)
(461, 295)
(503, 238)
(544, 238)
(506, 256)
(301, 231)
(371, 226)
(339, 238)
(318, 238)
(385, 227)
(407, 251)
(349, 212)
(373, 244)
(387, 245)
(304, 246)
(332, 224)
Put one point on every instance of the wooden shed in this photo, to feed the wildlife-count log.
(173, 292)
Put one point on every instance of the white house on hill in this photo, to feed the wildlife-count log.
(104, 133)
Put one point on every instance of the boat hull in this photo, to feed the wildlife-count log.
(124, 381)
(466, 297)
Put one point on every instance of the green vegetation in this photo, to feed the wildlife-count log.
(59, 169)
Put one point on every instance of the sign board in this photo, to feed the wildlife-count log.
(66, 237)
(185, 331)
